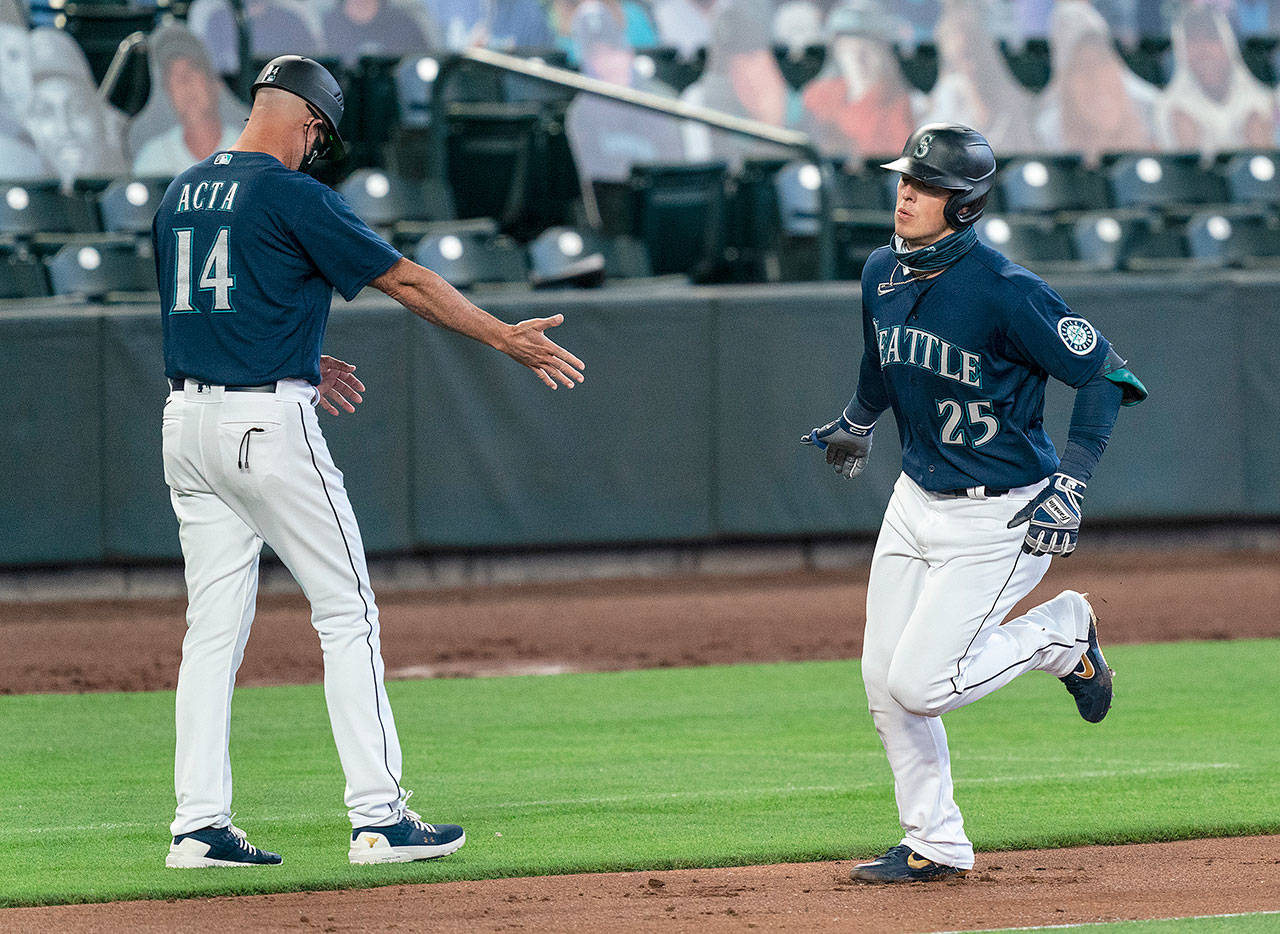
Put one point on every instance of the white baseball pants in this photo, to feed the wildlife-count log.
(945, 573)
(244, 468)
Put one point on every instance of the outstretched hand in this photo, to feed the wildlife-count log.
(339, 386)
(529, 344)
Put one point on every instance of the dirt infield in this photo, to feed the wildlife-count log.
(135, 645)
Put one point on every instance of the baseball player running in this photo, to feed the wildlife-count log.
(960, 342)
(248, 252)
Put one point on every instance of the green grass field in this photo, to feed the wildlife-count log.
(645, 769)
(1260, 922)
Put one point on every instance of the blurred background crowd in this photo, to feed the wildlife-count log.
(858, 75)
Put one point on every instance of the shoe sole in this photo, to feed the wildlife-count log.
(367, 856)
(940, 877)
(183, 861)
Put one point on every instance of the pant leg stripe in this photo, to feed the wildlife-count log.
(373, 668)
(1061, 645)
(994, 603)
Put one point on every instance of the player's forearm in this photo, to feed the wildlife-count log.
(1092, 419)
(871, 398)
(433, 299)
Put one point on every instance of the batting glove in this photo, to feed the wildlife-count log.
(1054, 517)
(847, 445)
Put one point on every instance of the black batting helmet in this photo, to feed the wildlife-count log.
(954, 157)
(312, 82)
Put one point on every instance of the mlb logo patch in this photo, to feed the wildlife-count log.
(222, 158)
(271, 75)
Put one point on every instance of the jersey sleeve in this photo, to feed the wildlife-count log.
(340, 245)
(1043, 331)
(871, 395)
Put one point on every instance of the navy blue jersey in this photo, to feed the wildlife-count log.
(963, 359)
(248, 253)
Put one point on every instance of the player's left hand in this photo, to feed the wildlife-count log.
(847, 445)
(338, 386)
(1054, 517)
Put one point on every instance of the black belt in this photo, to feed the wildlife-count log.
(177, 385)
(964, 491)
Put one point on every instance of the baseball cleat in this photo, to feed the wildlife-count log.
(217, 846)
(903, 864)
(1091, 682)
(402, 842)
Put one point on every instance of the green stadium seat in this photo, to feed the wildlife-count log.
(1253, 178)
(1131, 240)
(799, 70)
(671, 69)
(467, 258)
(1167, 181)
(94, 270)
(129, 204)
(382, 199)
(1048, 184)
(1036, 242)
(678, 212)
(21, 274)
(563, 256)
(1240, 239)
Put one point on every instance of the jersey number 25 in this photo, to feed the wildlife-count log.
(982, 425)
(215, 273)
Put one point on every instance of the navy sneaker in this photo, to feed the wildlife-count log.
(217, 846)
(1091, 682)
(404, 841)
(903, 864)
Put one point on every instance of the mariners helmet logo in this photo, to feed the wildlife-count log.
(922, 147)
(1078, 334)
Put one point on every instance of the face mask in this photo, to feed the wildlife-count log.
(319, 149)
(936, 255)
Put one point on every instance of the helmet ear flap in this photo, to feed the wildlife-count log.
(963, 210)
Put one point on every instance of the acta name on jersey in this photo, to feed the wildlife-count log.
(917, 347)
(207, 196)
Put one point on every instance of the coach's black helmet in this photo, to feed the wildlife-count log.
(955, 157)
(312, 82)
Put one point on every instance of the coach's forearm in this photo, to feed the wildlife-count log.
(433, 299)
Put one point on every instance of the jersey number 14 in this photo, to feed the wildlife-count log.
(215, 273)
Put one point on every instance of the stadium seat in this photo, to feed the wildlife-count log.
(1029, 62)
(21, 275)
(92, 271)
(1150, 58)
(919, 65)
(678, 212)
(1259, 54)
(511, 162)
(468, 257)
(1168, 181)
(799, 70)
(1029, 241)
(1233, 239)
(100, 27)
(129, 204)
(382, 199)
(566, 256)
(1128, 240)
(673, 70)
(30, 208)
(1049, 183)
(1253, 178)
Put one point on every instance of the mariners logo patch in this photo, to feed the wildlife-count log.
(1078, 334)
(922, 147)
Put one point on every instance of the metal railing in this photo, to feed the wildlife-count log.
(561, 77)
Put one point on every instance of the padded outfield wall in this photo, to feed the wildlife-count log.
(686, 430)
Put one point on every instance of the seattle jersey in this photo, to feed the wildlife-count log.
(248, 253)
(963, 359)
